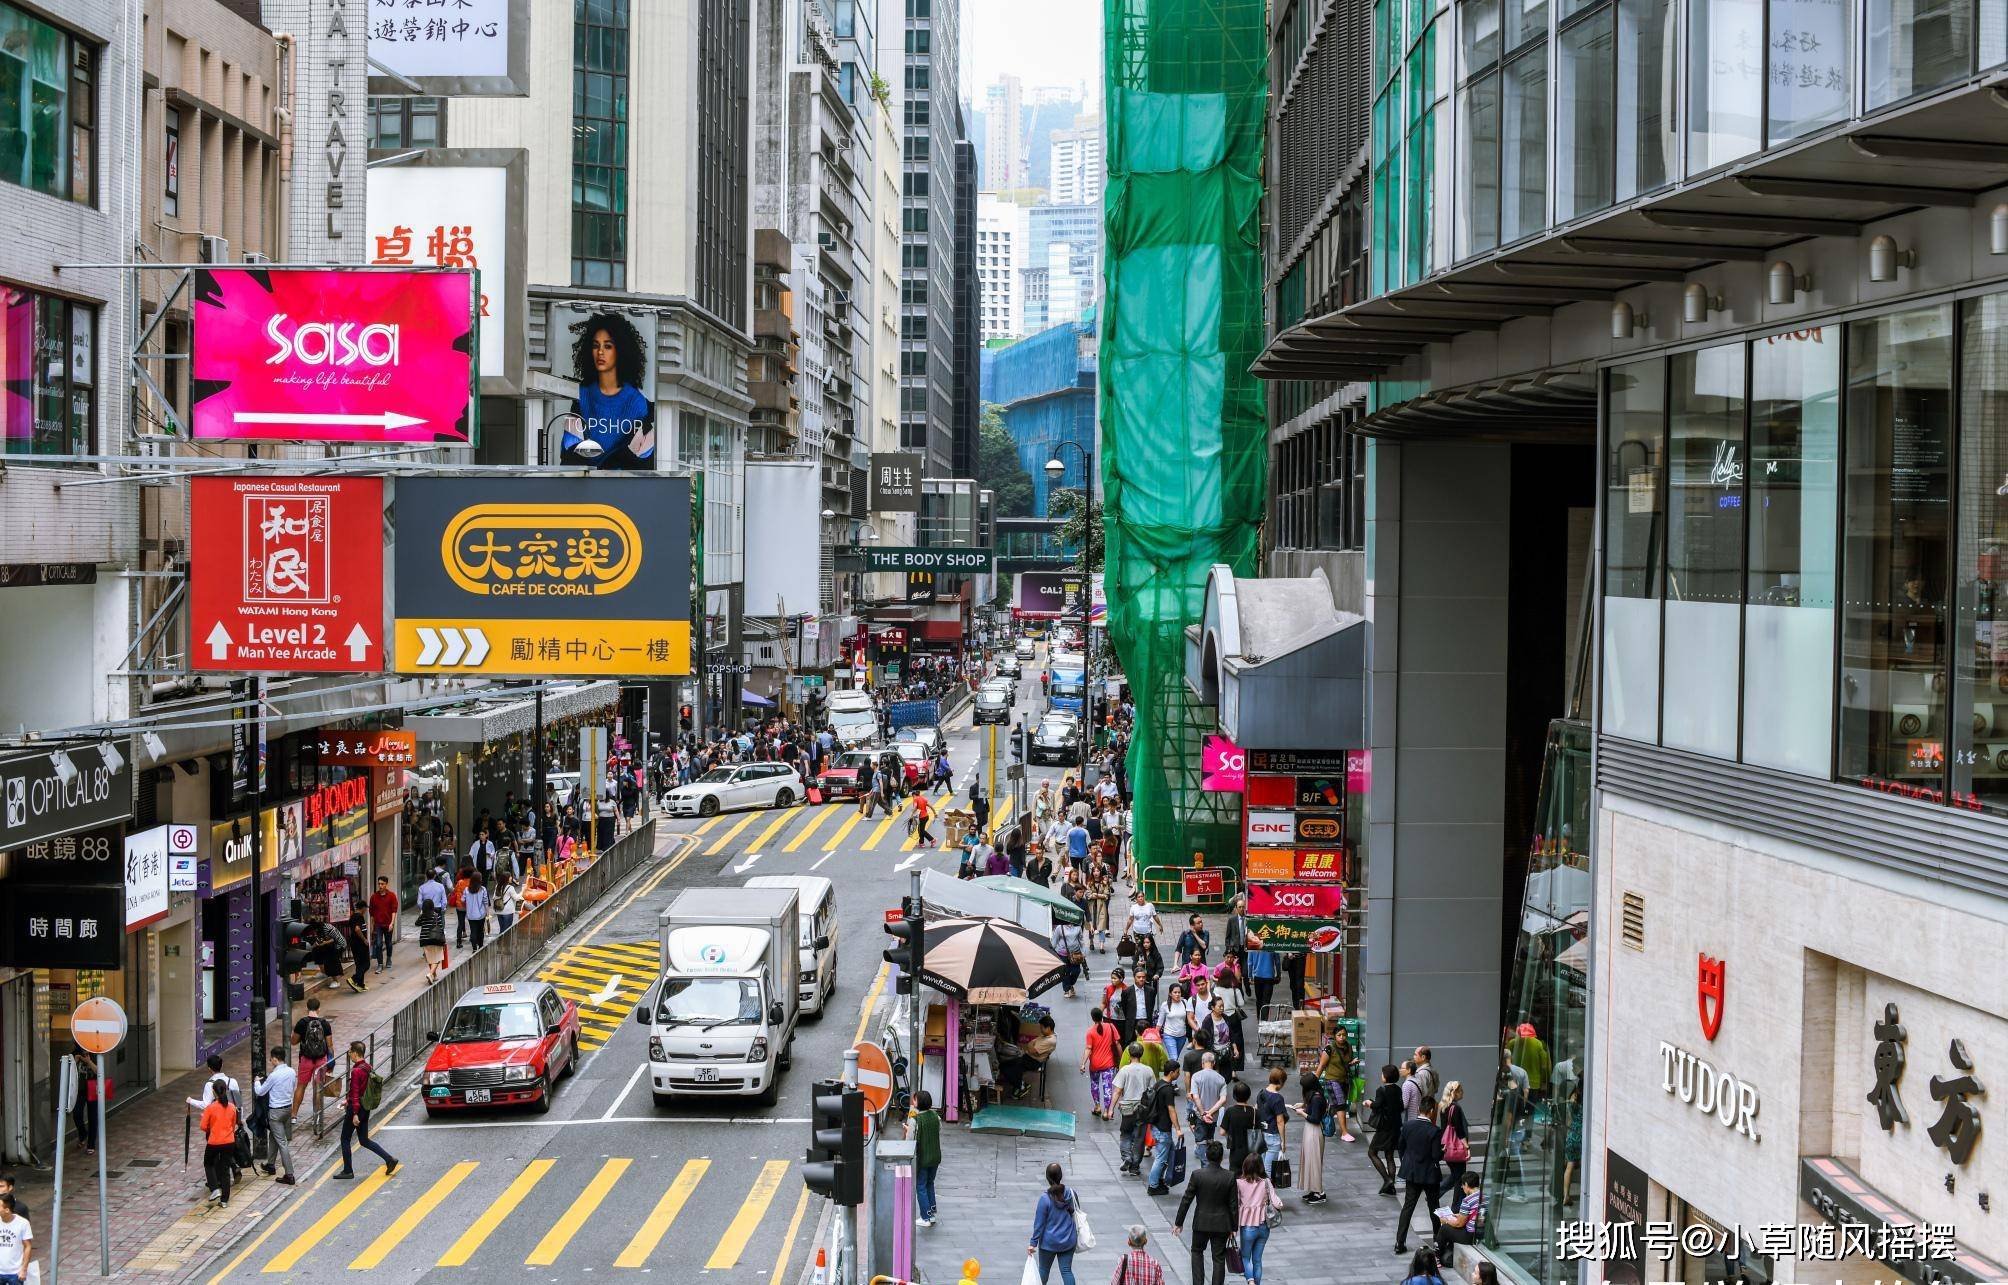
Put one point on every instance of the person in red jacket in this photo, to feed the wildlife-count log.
(384, 907)
(356, 1115)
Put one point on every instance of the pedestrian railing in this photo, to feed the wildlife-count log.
(407, 1034)
(1165, 886)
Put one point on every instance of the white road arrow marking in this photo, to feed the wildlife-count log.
(219, 642)
(747, 864)
(358, 642)
(477, 646)
(606, 992)
(456, 647)
(388, 420)
(428, 649)
(912, 860)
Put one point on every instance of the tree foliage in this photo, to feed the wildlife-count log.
(998, 468)
(1076, 528)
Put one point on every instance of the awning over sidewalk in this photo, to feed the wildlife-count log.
(479, 722)
(1285, 668)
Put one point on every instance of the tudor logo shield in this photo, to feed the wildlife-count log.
(1708, 994)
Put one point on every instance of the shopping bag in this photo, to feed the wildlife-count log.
(1031, 1274)
(1233, 1253)
(1279, 1174)
(1177, 1165)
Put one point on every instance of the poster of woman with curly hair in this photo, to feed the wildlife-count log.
(616, 421)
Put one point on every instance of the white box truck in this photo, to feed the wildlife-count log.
(721, 1021)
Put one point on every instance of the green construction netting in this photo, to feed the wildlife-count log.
(1184, 431)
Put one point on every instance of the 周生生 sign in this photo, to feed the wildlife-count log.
(544, 575)
(333, 355)
(896, 481)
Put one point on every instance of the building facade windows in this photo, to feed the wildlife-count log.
(398, 123)
(1704, 535)
(49, 349)
(1634, 546)
(599, 143)
(1915, 47)
(48, 108)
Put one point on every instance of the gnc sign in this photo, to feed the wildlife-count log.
(1267, 827)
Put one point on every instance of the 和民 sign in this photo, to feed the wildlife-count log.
(332, 355)
(286, 574)
(544, 575)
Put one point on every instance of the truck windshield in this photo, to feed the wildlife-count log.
(480, 1023)
(701, 1000)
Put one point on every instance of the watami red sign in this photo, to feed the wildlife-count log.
(333, 355)
(1296, 900)
(286, 574)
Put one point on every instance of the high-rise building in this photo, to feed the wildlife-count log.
(1001, 255)
(1075, 275)
(1077, 163)
(932, 114)
(1004, 160)
(968, 293)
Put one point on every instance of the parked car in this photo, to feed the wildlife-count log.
(506, 1044)
(749, 785)
(844, 777)
(1057, 740)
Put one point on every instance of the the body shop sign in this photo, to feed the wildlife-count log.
(333, 355)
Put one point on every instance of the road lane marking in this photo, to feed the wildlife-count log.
(822, 815)
(491, 1217)
(788, 1241)
(817, 864)
(665, 1212)
(432, 1125)
(752, 859)
(723, 840)
(710, 825)
(416, 1213)
(338, 1214)
(780, 822)
(567, 1226)
(836, 840)
(871, 1001)
(625, 1090)
(1004, 810)
(879, 832)
(733, 1243)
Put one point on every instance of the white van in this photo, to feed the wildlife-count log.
(816, 904)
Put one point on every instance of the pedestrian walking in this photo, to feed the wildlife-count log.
(17, 1242)
(7, 1188)
(1167, 1130)
(979, 808)
(314, 1036)
(923, 811)
(1098, 1062)
(1411, 1092)
(1318, 1125)
(1133, 1082)
(1256, 1198)
(279, 1086)
(384, 908)
(1054, 1235)
(432, 939)
(923, 1128)
(356, 936)
(365, 1092)
(1213, 1200)
(1067, 944)
(1195, 938)
(1426, 1078)
(508, 904)
(478, 902)
(1175, 1020)
(1238, 1126)
(219, 1122)
(1262, 972)
(1137, 1266)
(1386, 1119)
(1270, 1112)
(1456, 1134)
(1467, 1216)
(85, 1111)
(1335, 1071)
(1421, 1171)
(458, 899)
(1207, 1097)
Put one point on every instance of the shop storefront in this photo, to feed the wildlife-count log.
(1781, 1064)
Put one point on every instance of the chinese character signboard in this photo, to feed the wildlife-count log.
(362, 748)
(896, 482)
(333, 355)
(452, 208)
(89, 858)
(48, 927)
(145, 878)
(38, 801)
(461, 49)
(1294, 936)
(543, 576)
(1301, 865)
(1202, 884)
(286, 574)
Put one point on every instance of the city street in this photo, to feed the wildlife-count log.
(608, 1179)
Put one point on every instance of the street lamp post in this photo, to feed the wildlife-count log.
(1054, 470)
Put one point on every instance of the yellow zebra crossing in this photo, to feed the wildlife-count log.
(582, 973)
(465, 1196)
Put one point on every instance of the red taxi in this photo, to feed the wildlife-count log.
(844, 777)
(504, 1045)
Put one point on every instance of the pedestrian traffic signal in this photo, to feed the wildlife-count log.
(294, 952)
(835, 1163)
(911, 955)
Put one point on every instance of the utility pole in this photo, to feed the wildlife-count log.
(261, 930)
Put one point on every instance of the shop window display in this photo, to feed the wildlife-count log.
(1979, 758)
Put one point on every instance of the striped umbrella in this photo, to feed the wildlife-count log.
(988, 961)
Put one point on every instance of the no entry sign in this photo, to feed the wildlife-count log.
(286, 574)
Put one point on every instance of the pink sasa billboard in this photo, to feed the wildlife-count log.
(333, 355)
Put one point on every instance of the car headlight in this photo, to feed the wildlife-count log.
(436, 1077)
(758, 1053)
(517, 1073)
(655, 1053)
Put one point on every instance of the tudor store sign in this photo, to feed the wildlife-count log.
(40, 800)
(1713, 1092)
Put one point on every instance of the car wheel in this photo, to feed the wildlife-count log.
(772, 1093)
(708, 806)
(542, 1106)
(433, 1113)
(661, 1099)
(571, 1059)
(784, 797)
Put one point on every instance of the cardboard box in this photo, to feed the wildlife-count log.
(1307, 1030)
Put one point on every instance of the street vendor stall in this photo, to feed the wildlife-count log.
(988, 968)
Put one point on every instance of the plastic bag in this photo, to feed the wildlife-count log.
(1031, 1276)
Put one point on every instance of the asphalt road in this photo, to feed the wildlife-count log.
(709, 1189)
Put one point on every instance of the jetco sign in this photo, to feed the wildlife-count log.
(38, 800)
(286, 574)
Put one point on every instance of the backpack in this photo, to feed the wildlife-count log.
(372, 1096)
(314, 1040)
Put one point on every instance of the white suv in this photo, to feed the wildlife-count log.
(748, 785)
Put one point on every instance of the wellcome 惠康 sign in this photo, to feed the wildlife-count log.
(544, 576)
(333, 355)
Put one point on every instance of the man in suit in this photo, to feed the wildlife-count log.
(1211, 1198)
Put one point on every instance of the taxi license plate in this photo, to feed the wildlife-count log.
(441, 1093)
(477, 1095)
(707, 1075)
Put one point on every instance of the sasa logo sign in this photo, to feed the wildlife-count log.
(331, 343)
(1296, 899)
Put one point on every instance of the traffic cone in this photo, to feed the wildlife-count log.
(822, 1275)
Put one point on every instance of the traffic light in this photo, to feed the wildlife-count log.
(835, 1164)
(911, 954)
(294, 953)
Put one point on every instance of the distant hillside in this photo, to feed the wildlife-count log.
(1040, 122)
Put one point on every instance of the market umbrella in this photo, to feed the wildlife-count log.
(988, 961)
(1063, 910)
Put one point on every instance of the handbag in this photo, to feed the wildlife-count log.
(1279, 1173)
(1177, 1174)
(1084, 1235)
(1031, 1273)
(1330, 1125)
(1455, 1149)
(1233, 1254)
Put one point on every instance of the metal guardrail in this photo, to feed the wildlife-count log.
(1165, 886)
(402, 1039)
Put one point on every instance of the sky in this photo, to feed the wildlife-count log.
(1042, 42)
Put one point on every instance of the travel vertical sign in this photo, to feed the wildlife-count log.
(285, 574)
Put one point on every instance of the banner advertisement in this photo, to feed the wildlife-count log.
(543, 576)
(1296, 936)
(1266, 826)
(333, 355)
(1297, 900)
(469, 49)
(896, 481)
(1223, 767)
(358, 747)
(286, 574)
(444, 209)
(38, 800)
(964, 561)
(1039, 595)
(1301, 865)
(145, 878)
